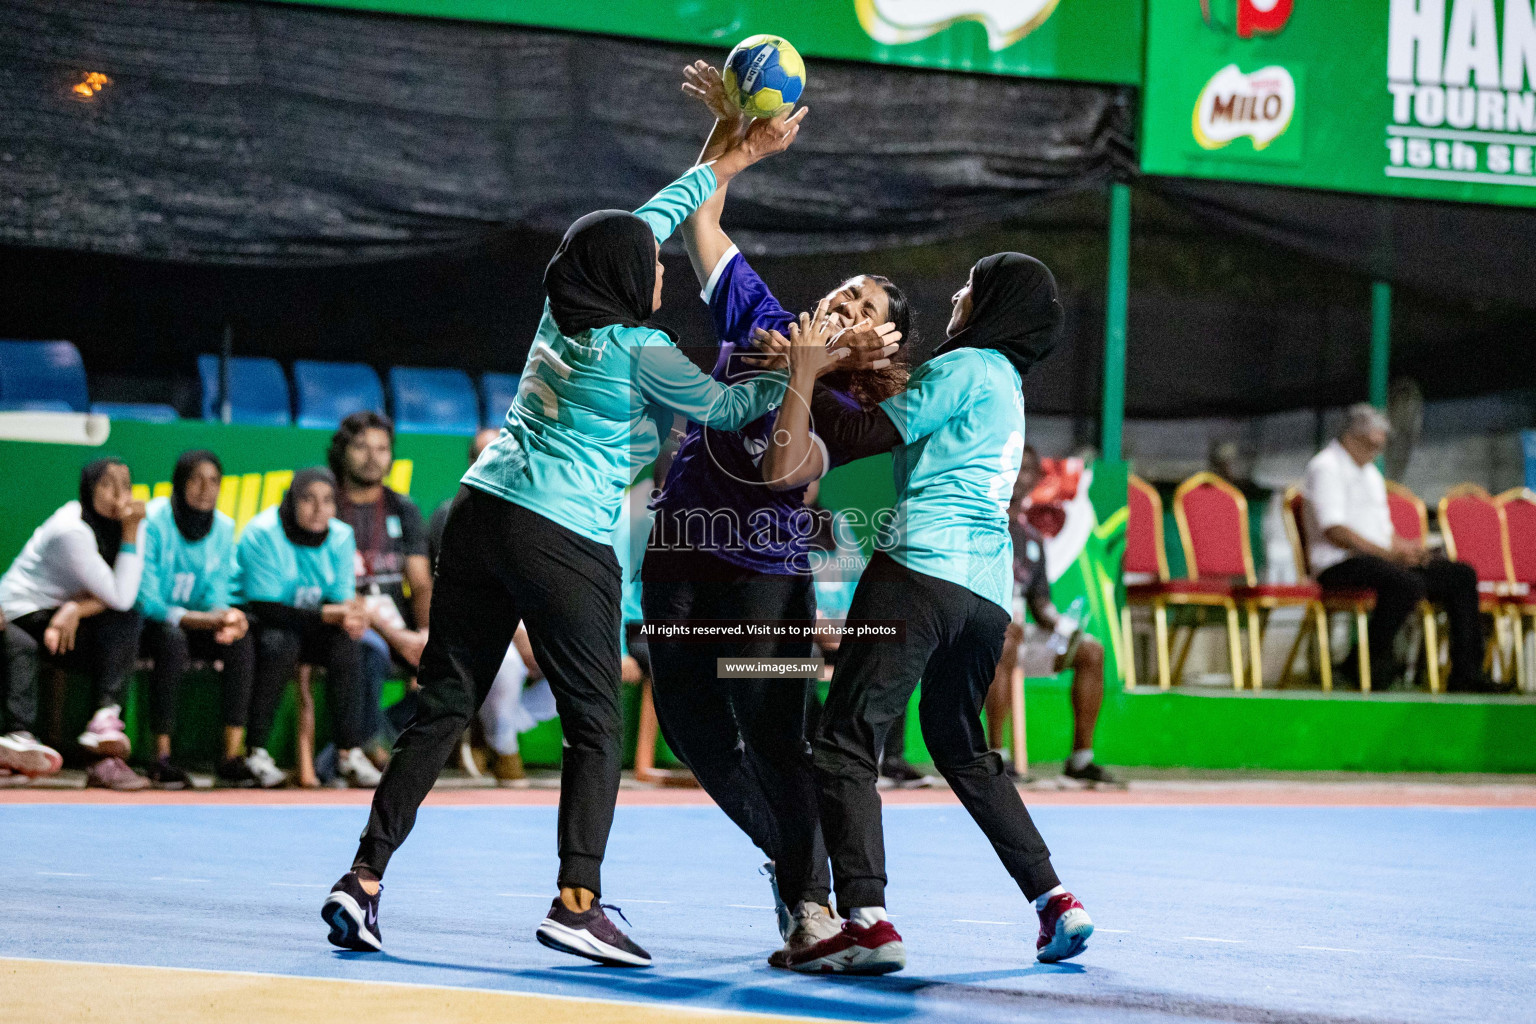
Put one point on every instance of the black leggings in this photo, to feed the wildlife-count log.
(501, 564)
(745, 740)
(279, 649)
(106, 646)
(173, 648)
(953, 641)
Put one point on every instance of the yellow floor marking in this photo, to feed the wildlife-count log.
(71, 991)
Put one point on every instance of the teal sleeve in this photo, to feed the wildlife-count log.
(345, 560)
(936, 391)
(669, 379)
(261, 573)
(151, 585)
(673, 204)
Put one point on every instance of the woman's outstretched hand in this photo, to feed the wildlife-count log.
(763, 138)
(701, 80)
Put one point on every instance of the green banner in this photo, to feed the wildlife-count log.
(1087, 40)
(258, 464)
(1428, 99)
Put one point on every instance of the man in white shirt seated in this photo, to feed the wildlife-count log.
(1351, 543)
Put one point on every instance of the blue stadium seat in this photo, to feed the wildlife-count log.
(144, 412)
(258, 391)
(497, 390)
(433, 401)
(330, 392)
(42, 371)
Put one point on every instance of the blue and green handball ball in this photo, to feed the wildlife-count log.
(765, 75)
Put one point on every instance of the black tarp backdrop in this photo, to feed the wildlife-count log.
(350, 186)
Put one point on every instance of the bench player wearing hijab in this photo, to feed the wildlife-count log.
(948, 577)
(530, 538)
(726, 545)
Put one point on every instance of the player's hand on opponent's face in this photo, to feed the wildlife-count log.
(816, 342)
(701, 80)
(870, 347)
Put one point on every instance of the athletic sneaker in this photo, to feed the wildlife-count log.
(353, 915)
(903, 775)
(234, 772)
(780, 908)
(1092, 774)
(105, 734)
(164, 775)
(21, 753)
(1064, 929)
(263, 769)
(876, 949)
(813, 923)
(359, 772)
(591, 935)
(114, 773)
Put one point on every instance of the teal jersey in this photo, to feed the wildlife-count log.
(962, 418)
(273, 568)
(591, 410)
(180, 575)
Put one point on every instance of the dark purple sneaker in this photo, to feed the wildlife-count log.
(590, 935)
(353, 915)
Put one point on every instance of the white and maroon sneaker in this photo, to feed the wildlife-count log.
(21, 753)
(876, 949)
(106, 735)
(590, 934)
(813, 923)
(1064, 929)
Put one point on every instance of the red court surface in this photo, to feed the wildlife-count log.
(1277, 793)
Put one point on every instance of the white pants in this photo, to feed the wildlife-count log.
(509, 709)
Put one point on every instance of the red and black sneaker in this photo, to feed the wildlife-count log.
(876, 949)
(590, 934)
(1064, 929)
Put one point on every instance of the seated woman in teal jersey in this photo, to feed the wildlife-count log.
(298, 582)
(944, 573)
(530, 538)
(185, 597)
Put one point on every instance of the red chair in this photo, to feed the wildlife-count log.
(1146, 556)
(1410, 521)
(1519, 508)
(1213, 523)
(1476, 533)
(1357, 601)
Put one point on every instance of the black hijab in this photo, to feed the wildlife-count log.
(108, 531)
(603, 274)
(1014, 310)
(286, 511)
(192, 524)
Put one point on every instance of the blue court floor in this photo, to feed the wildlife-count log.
(1210, 913)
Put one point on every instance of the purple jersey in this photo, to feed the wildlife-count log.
(714, 499)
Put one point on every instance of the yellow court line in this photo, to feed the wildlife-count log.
(67, 991)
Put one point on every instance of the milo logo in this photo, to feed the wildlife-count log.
(1247, 18)
(894, 22)
(1259, 105)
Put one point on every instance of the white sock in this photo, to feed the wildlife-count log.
(863, 917)
(1081, 759)
(1045, 897)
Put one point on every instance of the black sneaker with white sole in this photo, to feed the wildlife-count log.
(591, 935)
(353, 915)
